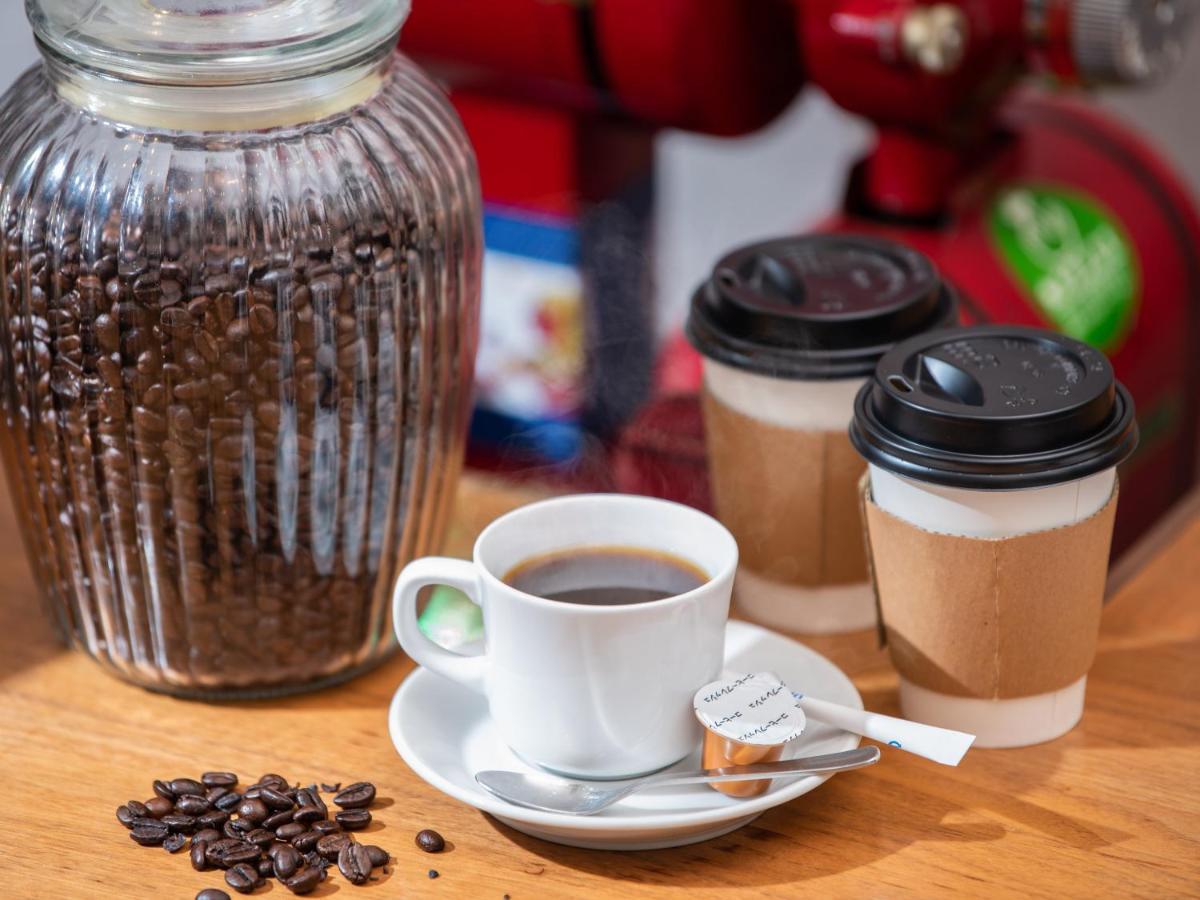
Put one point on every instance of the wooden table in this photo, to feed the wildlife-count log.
(1112, 809)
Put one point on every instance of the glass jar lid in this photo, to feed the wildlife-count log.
(215, 42)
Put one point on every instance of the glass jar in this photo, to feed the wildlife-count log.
(240, 266)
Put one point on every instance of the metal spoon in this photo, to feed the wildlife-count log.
(550, 793)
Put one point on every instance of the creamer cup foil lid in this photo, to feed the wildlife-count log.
(750, 709)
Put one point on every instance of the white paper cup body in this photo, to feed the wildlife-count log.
(1020, 721)
(802, 406)
(785, 402)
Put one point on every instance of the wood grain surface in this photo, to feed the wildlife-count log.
(1110, 810)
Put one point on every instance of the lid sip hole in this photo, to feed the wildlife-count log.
(728, 278)
(775, 278)
(947, 381)
(898, 382)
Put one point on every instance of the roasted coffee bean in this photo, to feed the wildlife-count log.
(191, 805)
(138, 808)
(126, 816)
(356, 796)
(331, 788)
(181, 787)
(276, 781)
(179, 823)
(266, 868)
(274, 799)
(212, 894)
(261, 838)
(286, 861)
(232, 830)
(163, 789)
(308, 798)
(304, 881)
(149, 835)
(379, 856)
(219, 779)
(262, 320)
(433, 873)
(325, 826)
(213, 794)
(353, 819)
(290, 830)
(252, 811)
(228, 802)
(430, 841)
(159, 807)
(228, 852)
(206, 834)
(215, 849)
(174, 842)
(306, 841)
(253, 792)
(306, 815)
(199, 855)
(212, 819)
(331, 845)
(243, 878)
(243, 825)
(243, 851)
(315, 859)
(277, 820)
(354, 862)
(148, 821)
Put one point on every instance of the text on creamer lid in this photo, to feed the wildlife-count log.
(750, 709)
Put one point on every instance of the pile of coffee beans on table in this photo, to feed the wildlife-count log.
(269, 829)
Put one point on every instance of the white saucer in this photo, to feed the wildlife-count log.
(443, 731)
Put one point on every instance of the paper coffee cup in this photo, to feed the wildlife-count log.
(997, 448)
(789, 330)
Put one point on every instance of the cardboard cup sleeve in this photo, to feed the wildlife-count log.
(990, 618)
(788, 496)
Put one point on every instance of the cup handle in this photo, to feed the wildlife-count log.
(420, 573)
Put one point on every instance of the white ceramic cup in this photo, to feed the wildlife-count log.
(586, 691)
(1019, 721)
(801, 406)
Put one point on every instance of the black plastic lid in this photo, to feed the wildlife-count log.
(994, 407)
(817, 307)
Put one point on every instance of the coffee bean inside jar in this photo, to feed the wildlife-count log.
(237, 363)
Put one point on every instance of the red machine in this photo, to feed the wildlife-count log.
(1039, 209)
(718, 66)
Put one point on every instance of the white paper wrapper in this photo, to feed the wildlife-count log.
(750, 709)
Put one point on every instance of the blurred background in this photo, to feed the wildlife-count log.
(602, 219)
(714, 193)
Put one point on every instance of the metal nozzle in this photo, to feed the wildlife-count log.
(1128, 41)
(934, 38)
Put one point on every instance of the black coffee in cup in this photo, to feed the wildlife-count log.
(606, 576)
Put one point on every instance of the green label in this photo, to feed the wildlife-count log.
(1073, 260)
